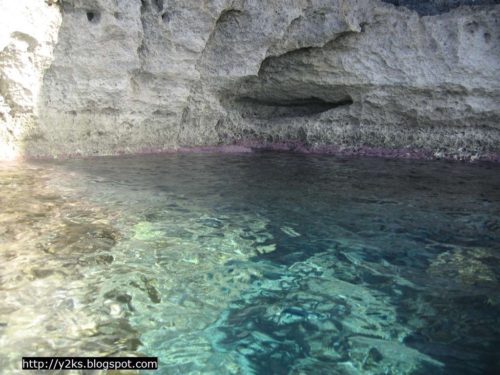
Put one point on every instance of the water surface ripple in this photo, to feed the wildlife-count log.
(253, 264)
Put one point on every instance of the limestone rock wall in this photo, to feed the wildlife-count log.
(149, 75)
(28, 35)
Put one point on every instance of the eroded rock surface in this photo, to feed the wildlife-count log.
(152, 75)
(28, 34)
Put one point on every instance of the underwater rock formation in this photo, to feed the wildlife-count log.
(152, 75)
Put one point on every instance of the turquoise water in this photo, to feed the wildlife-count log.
(254, 264)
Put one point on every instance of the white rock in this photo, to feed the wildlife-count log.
(105, 77)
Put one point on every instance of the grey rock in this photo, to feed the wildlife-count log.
(382, 357)
(145, 76)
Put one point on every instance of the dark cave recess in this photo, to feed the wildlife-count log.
(274, 108)
(433, 7)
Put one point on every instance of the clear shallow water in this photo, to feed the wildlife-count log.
(253, 264)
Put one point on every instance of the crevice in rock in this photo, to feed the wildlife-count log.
(165, 17)
(275, 108)
(144, 6)
(226, 16)
(142, 48)
(158, 4)
(93, 16)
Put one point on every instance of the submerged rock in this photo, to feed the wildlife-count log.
(49, 247)
(386, 357)
(467, 266)
(146, 231)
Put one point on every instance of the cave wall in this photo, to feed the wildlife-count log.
(432, 7)
(135, 76)
(28, 35)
